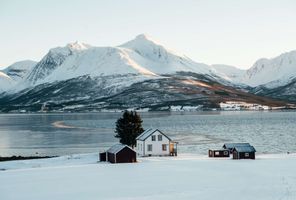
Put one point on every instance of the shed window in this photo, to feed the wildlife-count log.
(153, 137)
(159, 137)
(247, 154)
(149, 147)
(164, 147)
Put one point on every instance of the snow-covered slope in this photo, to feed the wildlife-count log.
(273, 72)
(141, 56)
(5, 82)
(160, 60)
(138, 73)
(230, 73)
(19, 70)
(53, 59)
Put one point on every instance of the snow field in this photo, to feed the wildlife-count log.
(185, 177)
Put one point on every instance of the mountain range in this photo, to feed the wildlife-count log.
(140, 74)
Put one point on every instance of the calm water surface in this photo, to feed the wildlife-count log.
(60, 134)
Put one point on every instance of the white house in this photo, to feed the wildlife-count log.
(153, 142)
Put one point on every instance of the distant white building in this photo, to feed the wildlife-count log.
(235, 105)
(153, 142)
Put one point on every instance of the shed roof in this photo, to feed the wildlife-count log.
(218, 149)
(247, 149)
(149, 132)
(232, 145)
(116, 148)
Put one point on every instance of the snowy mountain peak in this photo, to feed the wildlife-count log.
(19, 70)
(24, 64)
(147, 38)
(274, 72)
(78, 46)
(141, 41)
(151, 49)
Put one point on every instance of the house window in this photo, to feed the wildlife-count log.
(153, 137)
(141, 146)
(159, 137)
(217, 153)
(164, 147)
(247, 154)
(225, 153)
(149, 147)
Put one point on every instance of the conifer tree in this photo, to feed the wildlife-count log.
(128, 128)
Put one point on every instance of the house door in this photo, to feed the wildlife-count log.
(171, 147)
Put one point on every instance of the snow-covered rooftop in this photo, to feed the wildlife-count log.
(232, 145)
(245, 149)
(147, 133)
(116, 148)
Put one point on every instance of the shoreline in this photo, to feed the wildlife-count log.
(13, 158)
(180, 156)
(151, 111)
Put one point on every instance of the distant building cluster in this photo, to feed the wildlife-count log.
(235, 105)
(238, 151)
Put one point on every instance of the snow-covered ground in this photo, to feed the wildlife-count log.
(184, 177)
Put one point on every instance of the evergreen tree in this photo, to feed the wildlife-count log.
(128, 128)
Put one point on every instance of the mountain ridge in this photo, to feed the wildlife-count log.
(108, 72)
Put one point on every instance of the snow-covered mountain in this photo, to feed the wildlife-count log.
(15, 73)
(273, 72)
(230, 73)
(140, 73)
(19, 70)
(5, 82)
(142, 56)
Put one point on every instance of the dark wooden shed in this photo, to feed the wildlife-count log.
(244, 152)
(230, 146)
(219, 153)
(120, 153)
(103, 156)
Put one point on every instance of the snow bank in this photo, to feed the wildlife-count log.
(184, 177)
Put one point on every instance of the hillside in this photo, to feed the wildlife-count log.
(122, 92)
(272, 72)
(140, 73)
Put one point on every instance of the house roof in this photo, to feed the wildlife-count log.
(116, 148)
(232, 145)
(247, 149)
(218, 149)
(149, 132)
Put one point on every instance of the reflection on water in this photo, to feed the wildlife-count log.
(58, 134)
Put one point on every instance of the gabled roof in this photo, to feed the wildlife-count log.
(117, 147)
(247, 149)
(232, 145)
(149, 132)
(219, 150)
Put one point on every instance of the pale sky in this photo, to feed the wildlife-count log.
(233, 32)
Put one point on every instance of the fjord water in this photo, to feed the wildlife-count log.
(196, 132)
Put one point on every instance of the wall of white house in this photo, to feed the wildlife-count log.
(157, 146)
(140, 147)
